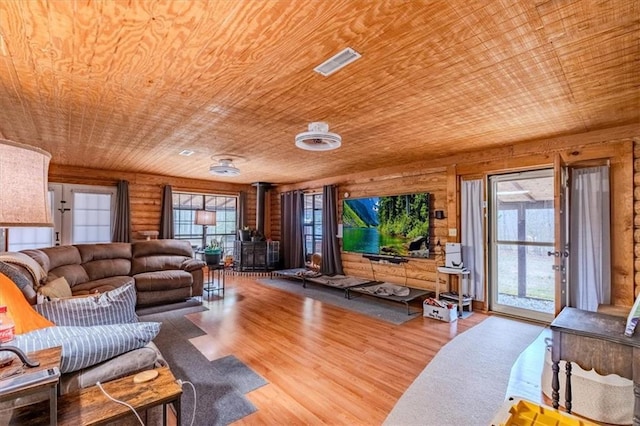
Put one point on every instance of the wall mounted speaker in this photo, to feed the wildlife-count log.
(439, 214)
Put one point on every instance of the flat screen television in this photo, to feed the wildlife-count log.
(395, 225)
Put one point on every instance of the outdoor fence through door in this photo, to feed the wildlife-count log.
(522, 244)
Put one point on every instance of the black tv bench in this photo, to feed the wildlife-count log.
(385, 258)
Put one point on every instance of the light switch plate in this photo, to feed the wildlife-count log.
(453, 232)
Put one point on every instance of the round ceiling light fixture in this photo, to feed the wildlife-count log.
(225, 168)
(318, 138)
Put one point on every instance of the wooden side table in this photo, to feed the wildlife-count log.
(463, 280)
(594, 341)
(91, 407)
(48, 358)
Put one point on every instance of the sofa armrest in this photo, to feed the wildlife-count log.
(190, 265)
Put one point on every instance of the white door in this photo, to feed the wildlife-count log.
(522, 237)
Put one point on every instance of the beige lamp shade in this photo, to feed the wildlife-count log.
(205, 217)
(24, 192)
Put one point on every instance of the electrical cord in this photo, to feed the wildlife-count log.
(373, 272)
(195, 400)
(119, 402)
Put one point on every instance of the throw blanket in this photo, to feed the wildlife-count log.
(37, 272)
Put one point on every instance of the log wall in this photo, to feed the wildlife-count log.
(441, 177)
(145, 191)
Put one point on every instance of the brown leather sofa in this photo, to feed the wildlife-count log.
(164, 271)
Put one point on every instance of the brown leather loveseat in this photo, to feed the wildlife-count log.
(164, 271)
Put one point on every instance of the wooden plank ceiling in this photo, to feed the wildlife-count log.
(126, 85)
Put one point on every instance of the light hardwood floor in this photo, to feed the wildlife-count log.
(323, 364)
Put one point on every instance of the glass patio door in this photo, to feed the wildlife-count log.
(522, 243)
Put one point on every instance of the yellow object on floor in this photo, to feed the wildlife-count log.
(520, 412)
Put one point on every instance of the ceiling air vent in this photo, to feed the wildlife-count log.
(336, 62)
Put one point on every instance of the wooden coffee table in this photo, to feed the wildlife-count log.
(91, 407)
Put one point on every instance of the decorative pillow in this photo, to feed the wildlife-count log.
(86, 346)
(116, 306)
(24, 317)
(56, 289)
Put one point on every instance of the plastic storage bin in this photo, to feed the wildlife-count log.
(520, 412)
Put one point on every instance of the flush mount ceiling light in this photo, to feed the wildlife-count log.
(318, 138)
(224, 168)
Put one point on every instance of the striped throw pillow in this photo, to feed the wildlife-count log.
(116, 306)
(86, 346)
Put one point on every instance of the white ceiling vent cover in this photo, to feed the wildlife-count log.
(336, 62)
(318, 138)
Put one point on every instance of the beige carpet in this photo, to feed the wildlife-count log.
(466, 383)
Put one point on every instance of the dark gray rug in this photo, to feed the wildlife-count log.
(393, 312)
(148, 310)
(220, 384)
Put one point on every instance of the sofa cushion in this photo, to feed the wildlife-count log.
(101, 286)
(156, 263)
(25, 318)
(61, 255)
(191, 265)
(167, 247)
(74, 274)
(159, 255)
(113, 307)
(105, 260)
(159, 297)
(163, 280)
(86, 346)
(65, 261)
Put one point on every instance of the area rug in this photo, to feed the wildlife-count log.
(220, 384)
(392, 312)
(148, 310)
(465, 384)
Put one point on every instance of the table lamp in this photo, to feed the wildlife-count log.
(24, 196)
(205, 218)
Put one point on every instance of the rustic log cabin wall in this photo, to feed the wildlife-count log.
(145, 191)
(441, 177)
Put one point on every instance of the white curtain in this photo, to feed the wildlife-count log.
(473, 236)
(589, 237)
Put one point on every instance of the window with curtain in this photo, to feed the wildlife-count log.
(312, 224)
(185, 206)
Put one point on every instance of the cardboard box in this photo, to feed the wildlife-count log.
(440, 313)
